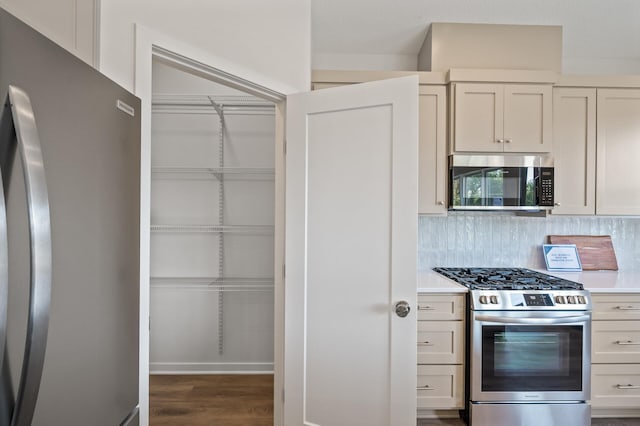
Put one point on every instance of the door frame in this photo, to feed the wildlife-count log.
(150, 45)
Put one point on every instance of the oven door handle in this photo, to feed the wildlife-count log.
(532, 320)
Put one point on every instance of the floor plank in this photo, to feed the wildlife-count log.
(241, 400)
(211, 400)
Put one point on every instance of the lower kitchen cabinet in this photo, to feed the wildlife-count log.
(440, 348)
(615, 352)
(440, 386)
(615, 385)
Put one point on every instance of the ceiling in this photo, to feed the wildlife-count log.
(598, 35)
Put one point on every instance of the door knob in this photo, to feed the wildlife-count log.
(402, 308)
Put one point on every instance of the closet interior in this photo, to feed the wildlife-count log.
(212, 227)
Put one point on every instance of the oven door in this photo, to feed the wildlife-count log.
(530, 356)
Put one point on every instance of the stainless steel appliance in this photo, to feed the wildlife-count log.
(500, 182)
(69, 238)
(529, 346)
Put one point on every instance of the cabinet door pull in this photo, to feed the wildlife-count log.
(507, 141)
(427, 387)
(627, 343)
(426, 308)
(425, 343)
(499, 140)
(627, 386)
(627, 308)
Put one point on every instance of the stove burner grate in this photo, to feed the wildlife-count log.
(507, 279)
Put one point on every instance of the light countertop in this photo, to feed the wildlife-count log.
(432, 282)
(603, 281)
(594, 281)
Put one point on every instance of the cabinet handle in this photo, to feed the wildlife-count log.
(499, 140)
(627, 386)
(627, 308)
(427, 387)
(556, 204)
(507, 141)
(426, 308)
(627, 343)
(440, 203)
(425, 343)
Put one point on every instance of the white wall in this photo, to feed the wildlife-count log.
(269, 41)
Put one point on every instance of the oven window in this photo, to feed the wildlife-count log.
(532, 358)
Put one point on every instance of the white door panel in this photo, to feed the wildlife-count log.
(351, 229)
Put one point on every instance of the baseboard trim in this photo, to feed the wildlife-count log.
(210, 368)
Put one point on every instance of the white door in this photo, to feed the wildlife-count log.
(351, 232)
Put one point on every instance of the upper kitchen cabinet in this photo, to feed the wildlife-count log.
(496, 117)
(574, 150)
(618, 150)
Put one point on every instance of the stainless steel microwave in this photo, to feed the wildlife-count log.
(500, 182)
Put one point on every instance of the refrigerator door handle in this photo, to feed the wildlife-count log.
(6, 393)
(28, 143)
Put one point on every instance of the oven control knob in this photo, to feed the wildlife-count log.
(582, 300)
(493, 299)
(483, 300)
(560, 300)
(571, 300)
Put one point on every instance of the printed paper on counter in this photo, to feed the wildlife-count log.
(562, 257)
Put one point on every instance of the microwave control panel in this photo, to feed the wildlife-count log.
(546, 187)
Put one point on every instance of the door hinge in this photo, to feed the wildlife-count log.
(283, 395)
(284, 271)
(284, 146)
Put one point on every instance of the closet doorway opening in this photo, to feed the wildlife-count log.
(212, 253)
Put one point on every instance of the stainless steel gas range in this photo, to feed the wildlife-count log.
(528, 348)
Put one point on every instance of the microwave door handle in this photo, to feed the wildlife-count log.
(28, 144)
(533, 320)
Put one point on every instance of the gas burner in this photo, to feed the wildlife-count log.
(506, 279)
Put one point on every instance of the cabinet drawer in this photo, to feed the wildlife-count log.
(616, 306)
(440, 307)
(615, 342)
(440, 342)
(615, 385)
(440, 386)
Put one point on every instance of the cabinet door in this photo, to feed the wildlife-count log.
(432, 170)
(440, 386)
(527, 118)
(615, 385)
(574, 150)
(440, 342)
(478, 117)
(618, 151)
(615, 342)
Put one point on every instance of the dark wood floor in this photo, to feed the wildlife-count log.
(594, 422)
(240, 400)
(211, 400)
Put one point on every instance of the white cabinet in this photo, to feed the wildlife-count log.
(574, 150)
(440, 351)
(615, 351)
(432, 151)
(501, 117)
(596, 144)
(618, 151)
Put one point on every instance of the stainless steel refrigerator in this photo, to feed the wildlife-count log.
(69, 237)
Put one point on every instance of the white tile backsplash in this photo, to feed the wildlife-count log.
(495, 239)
